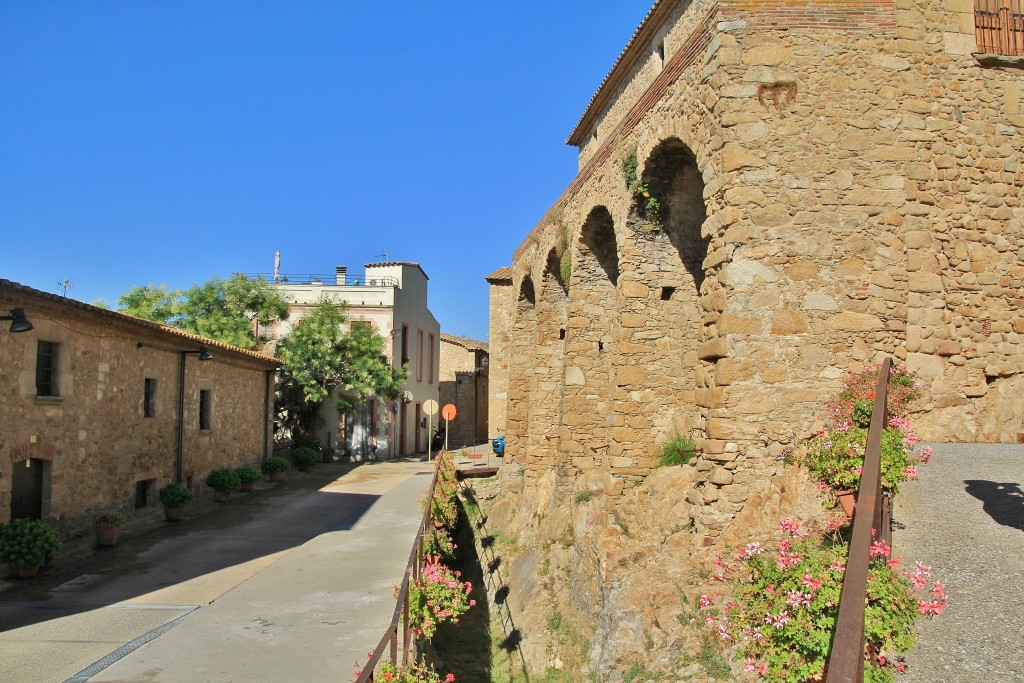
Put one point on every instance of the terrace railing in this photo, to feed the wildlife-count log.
(874, 513)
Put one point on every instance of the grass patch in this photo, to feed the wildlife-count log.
(679, 451)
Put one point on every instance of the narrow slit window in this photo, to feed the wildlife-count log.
(205, 409)
(149, 398)
(47, 368)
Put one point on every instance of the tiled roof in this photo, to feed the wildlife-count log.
(503, 274)
(386, 264)
(625, 60)
(465, 342)
(17, 288)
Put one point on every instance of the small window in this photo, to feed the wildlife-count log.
(659, 52)
(419, 355)
(205, 406)
(667, 292)
(47, 368)
(149, 398)
(999, 26)
(405, 344)
(430, 362)
(561, 333)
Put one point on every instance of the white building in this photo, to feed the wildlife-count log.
(392, 298)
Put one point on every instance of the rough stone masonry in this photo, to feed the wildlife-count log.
(831, 182)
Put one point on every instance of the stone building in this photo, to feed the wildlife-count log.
(500, 333)
(392, 299)
(101, 409)
(464, 384)
(769, 195)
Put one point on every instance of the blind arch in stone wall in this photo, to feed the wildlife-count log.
(520, 389)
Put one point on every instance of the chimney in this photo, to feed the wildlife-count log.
(340, 275)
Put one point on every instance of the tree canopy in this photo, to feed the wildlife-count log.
(321, 357)
(228, 311)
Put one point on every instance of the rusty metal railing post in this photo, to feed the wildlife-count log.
(846, 662)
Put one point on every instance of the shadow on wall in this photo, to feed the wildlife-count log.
(1003, 502)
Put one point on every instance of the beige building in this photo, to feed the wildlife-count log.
(769, 195)
(391, 298)
(500, 332)
(464, 384)
(101, 409)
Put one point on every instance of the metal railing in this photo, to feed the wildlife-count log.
(846, 663)
(400, 619)
(327, 280)
(999, 26)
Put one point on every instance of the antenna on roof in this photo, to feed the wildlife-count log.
(383, 255)
(64, 286)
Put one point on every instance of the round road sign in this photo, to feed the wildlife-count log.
(448, 412)
(430, 407)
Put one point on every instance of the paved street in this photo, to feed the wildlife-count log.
(292, 582)
(965, 518)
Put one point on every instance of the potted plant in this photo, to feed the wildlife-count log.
(275, 468)
(108, 527)
(437, 596)
(304, 457)
(248, 476)
(26, 545)
(174, 498)
(223, 481)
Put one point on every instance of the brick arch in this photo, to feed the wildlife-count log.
(527, 292)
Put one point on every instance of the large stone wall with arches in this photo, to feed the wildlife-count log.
(825, 191)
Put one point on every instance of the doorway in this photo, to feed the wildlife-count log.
(28, 480)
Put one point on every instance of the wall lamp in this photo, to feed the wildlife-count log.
(19, 323)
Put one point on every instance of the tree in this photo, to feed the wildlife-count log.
(320, 358)
(228, 311)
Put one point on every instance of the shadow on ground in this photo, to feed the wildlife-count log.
(1003, 502)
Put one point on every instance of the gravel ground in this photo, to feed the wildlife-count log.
(965, 518)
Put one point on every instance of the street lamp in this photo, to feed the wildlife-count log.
(19, 323)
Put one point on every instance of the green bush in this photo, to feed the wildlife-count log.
(223, 479)
(275, 464)
(678, 451)
(28, 542)
(175, 496)
(115, 517)
(304, 455)
(248, 474)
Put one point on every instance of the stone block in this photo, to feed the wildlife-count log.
(709, 398)
(848, 321)
(735, 157)
(788, 322)
(948, 347)
(630, 376)
(635, 290)
(712, 349)
(768, 54)
(730, 323)
(633, 320)
(924, 282)
(721, 476)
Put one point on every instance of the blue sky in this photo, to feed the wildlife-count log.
(168, 142)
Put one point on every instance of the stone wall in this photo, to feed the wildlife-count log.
(499, 334)
(463, 383)
(93, 440)
(836, 182)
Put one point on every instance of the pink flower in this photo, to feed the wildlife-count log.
(838, 567)
(790, 527)
(925, 455)
(811, 582)
(910, 471)
(879, 549)
(705, 601)
(931, 608)
(752, 550)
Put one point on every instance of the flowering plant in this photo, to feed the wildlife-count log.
(437, 596)
(437, 543)
(413, 673)
(853, 404)
(443, 504)
(836, 456)
(785, 602)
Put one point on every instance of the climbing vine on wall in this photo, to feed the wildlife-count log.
(564, 255)
(647, 206)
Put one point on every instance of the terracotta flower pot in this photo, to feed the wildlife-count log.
(276, 476)
(848, 501)
(221, 496)
(24, 571)
(107, 534)
(174, 514)
(247, 486)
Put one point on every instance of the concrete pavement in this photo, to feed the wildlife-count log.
(965, 519)
(293, 582)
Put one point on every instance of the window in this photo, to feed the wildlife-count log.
(999, 26)
(419, 355)
(144, 493)
(47, 368)
(405, 344)
(149, 398)
(205, 406)
(430, 363)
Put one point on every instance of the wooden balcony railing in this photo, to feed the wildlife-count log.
(999, 26)
(846, 663)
